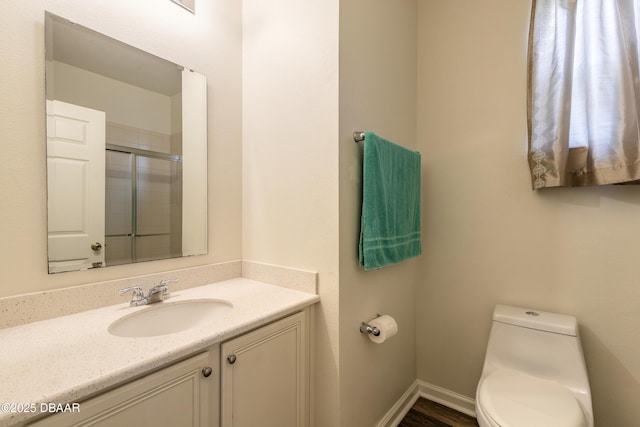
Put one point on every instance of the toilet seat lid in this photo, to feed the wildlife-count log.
(514, 399)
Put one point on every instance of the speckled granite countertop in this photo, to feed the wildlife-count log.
(68, 358)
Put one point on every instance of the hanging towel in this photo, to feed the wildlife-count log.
(390, 223)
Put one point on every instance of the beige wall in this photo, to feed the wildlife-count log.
(23, 257)
(377, 93)
(290, 159)
(489, 239)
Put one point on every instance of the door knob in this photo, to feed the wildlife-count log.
(231, 359)
(96, 246)
(206, 372)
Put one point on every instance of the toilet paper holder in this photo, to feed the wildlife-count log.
(365, 328)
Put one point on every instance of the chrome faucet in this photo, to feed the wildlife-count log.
(157, 293)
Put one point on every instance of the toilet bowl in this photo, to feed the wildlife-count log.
(534, 372)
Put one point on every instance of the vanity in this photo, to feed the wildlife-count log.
(244, 366)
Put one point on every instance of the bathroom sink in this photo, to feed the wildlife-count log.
(167, 318)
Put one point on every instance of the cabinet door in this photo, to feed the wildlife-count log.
(179, 395)
(265, 376)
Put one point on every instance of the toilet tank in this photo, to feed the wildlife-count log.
(545, 345)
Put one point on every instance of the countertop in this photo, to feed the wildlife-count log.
(68, 358)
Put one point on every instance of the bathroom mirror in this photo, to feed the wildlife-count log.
(126, 152)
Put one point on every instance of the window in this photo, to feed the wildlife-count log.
(584, 100)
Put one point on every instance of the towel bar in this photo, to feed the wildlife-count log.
(358, 136)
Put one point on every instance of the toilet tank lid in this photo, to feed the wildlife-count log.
(536, 319)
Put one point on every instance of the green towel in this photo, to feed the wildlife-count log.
(390, 223)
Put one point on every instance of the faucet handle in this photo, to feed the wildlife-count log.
(137, 291)
(138, 296)
(162, 287)
(165, 289)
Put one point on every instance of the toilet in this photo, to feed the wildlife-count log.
(534, 373)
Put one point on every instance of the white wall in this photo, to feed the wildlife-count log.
(217, 25)
(489, 239)
(123, 103)
(378, 82)
(290, 159)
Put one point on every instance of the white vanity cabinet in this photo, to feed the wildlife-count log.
(260, 378)
(265, 376)
(179, 395)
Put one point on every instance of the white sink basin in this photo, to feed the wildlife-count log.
(167, 318)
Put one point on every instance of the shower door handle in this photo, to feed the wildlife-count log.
(96, 246)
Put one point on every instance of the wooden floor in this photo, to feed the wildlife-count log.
(426, 413)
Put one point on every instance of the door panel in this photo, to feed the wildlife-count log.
(75, 180)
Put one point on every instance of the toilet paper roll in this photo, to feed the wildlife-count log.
(387, 326)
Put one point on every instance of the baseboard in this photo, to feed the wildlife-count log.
(402, 406)
(432, 392)
(448, 398)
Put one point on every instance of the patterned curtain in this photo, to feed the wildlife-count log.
(584, 99)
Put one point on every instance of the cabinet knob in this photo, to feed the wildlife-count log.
(231, 359)
(207, 371)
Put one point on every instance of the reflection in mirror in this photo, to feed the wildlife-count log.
(126, 152)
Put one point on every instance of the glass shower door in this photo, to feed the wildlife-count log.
(143, 205)
(152, 209)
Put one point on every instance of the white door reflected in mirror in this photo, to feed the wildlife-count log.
(75, 185)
